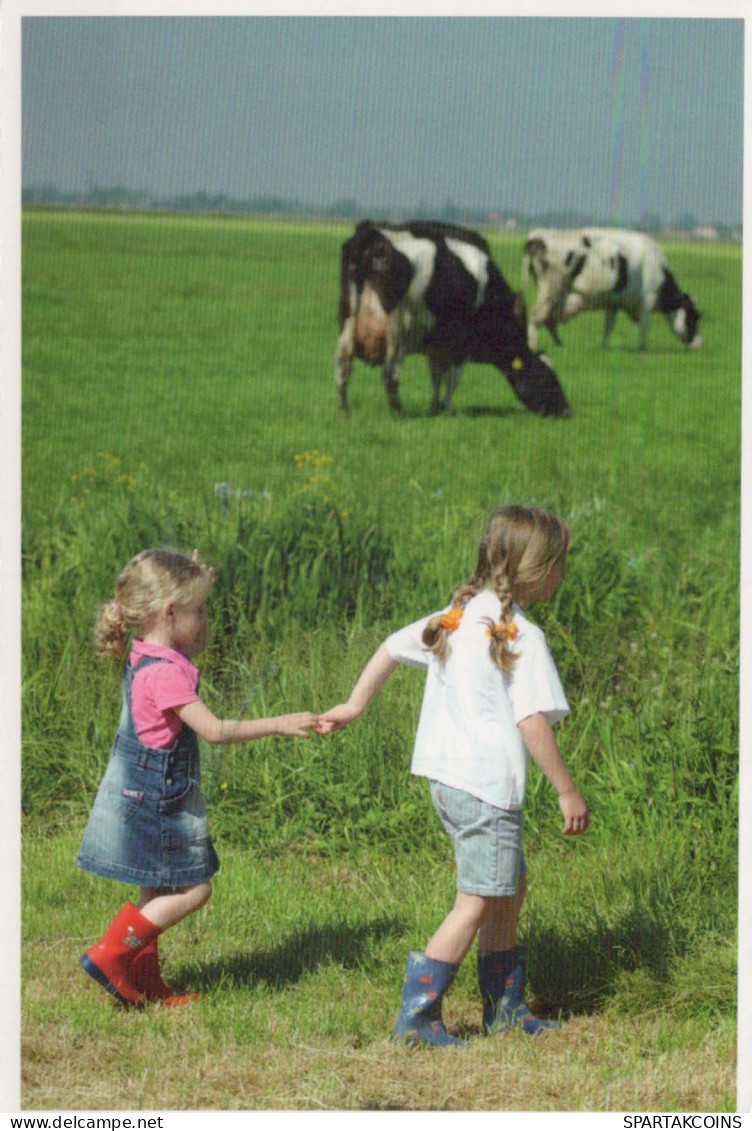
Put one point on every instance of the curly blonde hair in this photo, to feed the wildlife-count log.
(151, 580)
(519, 550)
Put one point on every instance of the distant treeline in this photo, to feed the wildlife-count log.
(121, 198)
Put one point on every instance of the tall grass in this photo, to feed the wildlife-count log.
(177, 389)
(319, 554)
(305, 591)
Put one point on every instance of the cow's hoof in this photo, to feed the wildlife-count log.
(696, 342)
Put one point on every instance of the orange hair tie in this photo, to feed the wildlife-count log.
(451, 620)
(504, 630)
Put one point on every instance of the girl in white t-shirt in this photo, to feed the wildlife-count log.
(492, 694)
(148, 822)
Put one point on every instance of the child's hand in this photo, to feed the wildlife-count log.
(298, 725)
(575, 813)
(336, 718)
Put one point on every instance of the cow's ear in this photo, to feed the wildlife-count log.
(520, 307)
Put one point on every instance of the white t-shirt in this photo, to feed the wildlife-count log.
(467, 734)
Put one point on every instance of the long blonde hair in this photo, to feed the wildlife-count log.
(151, 580)
(520, 548)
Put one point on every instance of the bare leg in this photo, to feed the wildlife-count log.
(455, 936)
(499, 929)
(164, 907)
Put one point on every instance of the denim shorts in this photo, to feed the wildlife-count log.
(487, 841)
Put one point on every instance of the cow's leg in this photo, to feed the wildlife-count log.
(644, 318)
(452, 381)
(608, 324)
(390, 378)
(445, 377)
(343, 360)
(393, 361)
(437, 368)
(551, 327)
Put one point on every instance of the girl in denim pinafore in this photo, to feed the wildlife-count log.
(148, 823)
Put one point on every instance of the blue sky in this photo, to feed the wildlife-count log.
(613, 117)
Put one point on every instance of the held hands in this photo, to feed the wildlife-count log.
(575, 813)
(298, 725)
(336, 718)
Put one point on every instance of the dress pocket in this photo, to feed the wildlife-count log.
(177, 794)
(130, 803)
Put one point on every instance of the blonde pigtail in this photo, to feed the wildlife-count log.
(443, 624)
(501, 633)
(110, 630)
(520, 558)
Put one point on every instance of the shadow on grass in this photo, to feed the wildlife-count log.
(568, 974)
(575, 974)
(626, 349)
(303, 952)
(492, 410)
(469, 410)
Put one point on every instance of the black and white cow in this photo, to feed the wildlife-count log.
(604, 269)
(433, 288)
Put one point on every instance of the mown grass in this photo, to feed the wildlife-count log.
(299, 961)
(163, 356)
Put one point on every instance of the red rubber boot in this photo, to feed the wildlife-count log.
(147, 977)
(109, 960)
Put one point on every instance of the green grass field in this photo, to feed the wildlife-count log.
(165, 355)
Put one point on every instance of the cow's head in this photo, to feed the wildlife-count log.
(533, 379)
(500, 339)
(684, 323)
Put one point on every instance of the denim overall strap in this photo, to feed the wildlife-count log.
(186, 742)
(126, 727)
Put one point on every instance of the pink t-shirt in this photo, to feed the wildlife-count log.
(157, 689)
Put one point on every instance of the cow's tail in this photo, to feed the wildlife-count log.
(525, 269)
(347, 289)
(534, 250)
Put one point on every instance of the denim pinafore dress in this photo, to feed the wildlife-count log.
(148, 823)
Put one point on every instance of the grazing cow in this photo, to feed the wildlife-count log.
(434, 289)
(604, 269)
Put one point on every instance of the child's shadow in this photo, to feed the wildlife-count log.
(303, 952)
(576, 974)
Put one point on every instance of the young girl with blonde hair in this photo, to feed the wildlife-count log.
(492, 694)
(148, 823)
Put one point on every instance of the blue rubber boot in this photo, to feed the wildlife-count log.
(426, 982)
(501, 977)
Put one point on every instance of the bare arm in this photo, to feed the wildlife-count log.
(539, 739)
(198, 717)
(374, 674)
